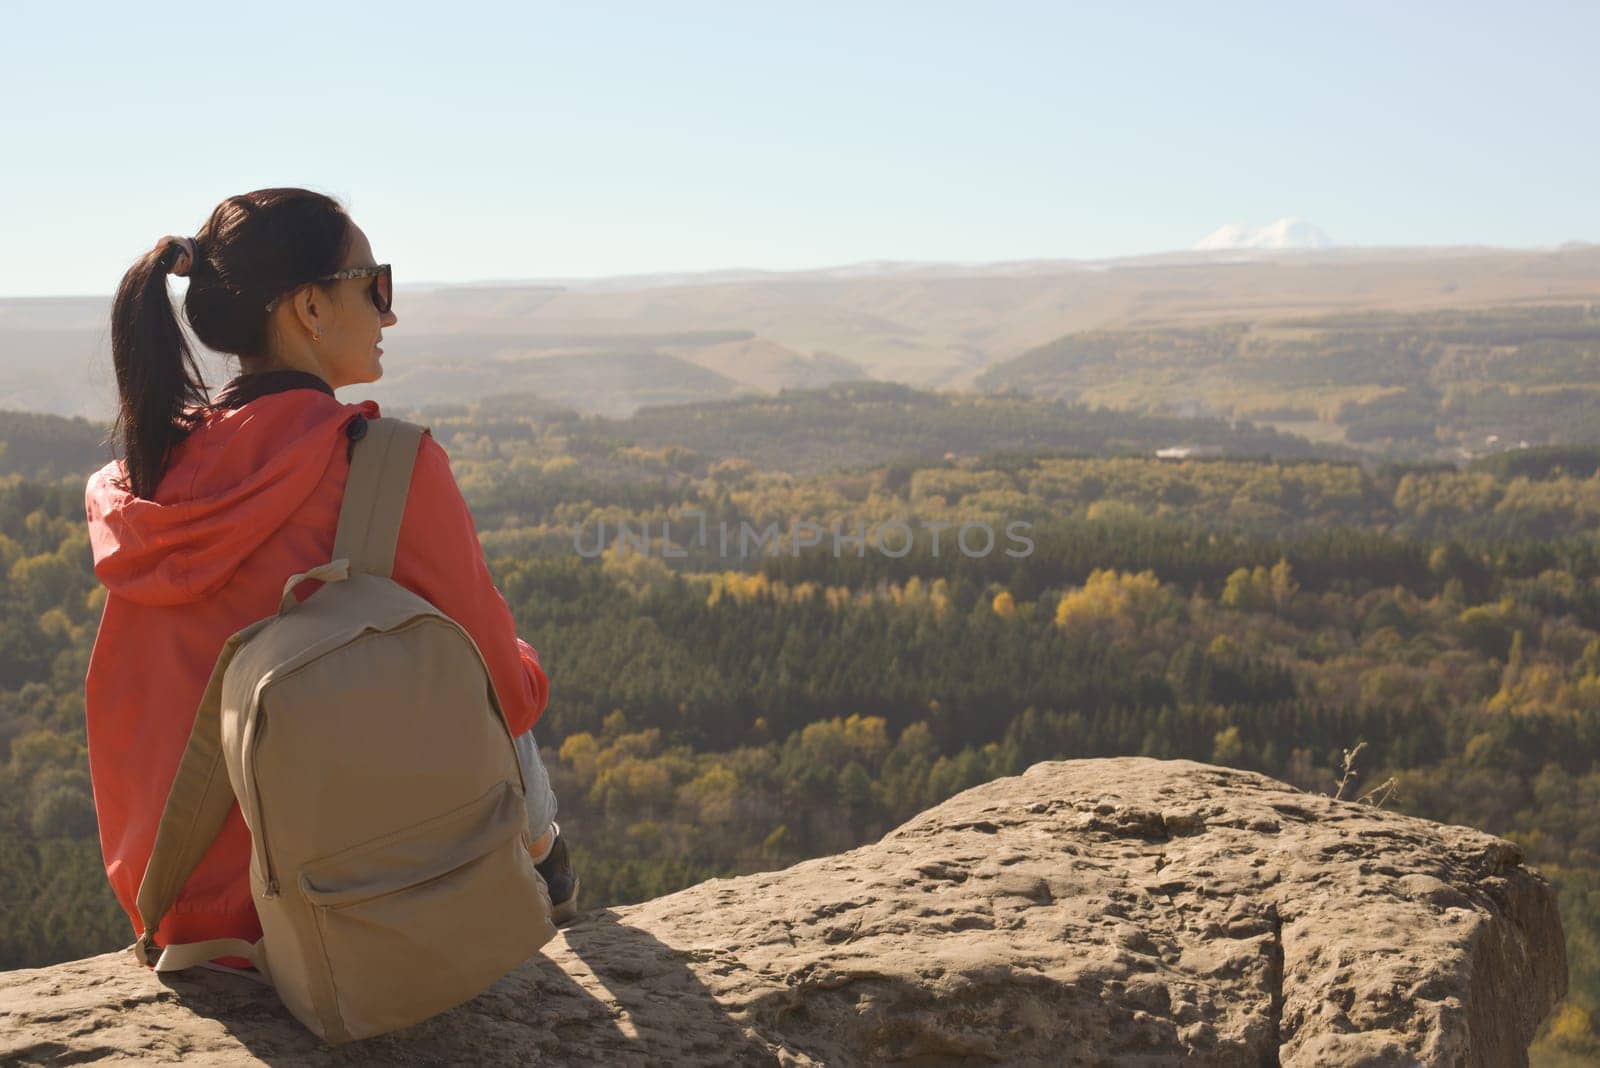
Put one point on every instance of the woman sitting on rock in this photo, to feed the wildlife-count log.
(218, 501)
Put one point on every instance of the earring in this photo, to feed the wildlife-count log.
(317, 336)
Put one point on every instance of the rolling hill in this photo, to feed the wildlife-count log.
(938, 326)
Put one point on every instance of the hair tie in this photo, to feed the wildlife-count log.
(187, 256)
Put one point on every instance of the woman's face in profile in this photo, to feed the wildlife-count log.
(349, 350)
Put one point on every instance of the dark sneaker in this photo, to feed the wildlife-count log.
(561, 879)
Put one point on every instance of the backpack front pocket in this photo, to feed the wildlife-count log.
(427, 917)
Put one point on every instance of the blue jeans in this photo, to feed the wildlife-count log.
(541, 800)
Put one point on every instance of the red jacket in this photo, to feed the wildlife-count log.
(249, 498)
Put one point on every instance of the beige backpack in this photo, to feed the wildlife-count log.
(361, 735)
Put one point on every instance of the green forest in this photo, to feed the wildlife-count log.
(717, 712)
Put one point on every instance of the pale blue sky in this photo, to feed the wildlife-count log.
(498, 141)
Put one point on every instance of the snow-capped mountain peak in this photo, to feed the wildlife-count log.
(1286, 233)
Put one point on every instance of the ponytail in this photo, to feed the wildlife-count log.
(157, 376)
(254, 247)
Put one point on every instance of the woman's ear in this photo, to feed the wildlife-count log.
(311, 310)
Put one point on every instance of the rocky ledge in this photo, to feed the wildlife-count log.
(1086, 912)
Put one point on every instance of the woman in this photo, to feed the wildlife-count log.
(217, 502)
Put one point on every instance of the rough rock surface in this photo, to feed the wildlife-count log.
(1086, 912)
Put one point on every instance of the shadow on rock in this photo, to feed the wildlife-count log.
(602, 992)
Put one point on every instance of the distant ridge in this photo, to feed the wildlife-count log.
(931, 325)
(1278, 239)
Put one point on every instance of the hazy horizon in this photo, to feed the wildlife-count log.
(702, 275)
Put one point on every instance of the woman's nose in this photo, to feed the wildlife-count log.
(389, 318)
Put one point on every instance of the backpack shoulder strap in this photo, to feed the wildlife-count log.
(197, 805)
(375, 495)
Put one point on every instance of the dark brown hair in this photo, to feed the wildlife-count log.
(252, 248)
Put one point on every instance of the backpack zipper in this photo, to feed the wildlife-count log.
(253, 789)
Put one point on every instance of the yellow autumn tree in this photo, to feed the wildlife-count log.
(1126, 601)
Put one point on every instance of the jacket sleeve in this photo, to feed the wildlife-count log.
(438, 556)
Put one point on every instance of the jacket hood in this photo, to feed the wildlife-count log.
(228, 487)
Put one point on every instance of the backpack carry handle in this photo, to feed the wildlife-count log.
(336, 571)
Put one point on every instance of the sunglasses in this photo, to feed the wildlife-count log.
(382, 290)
